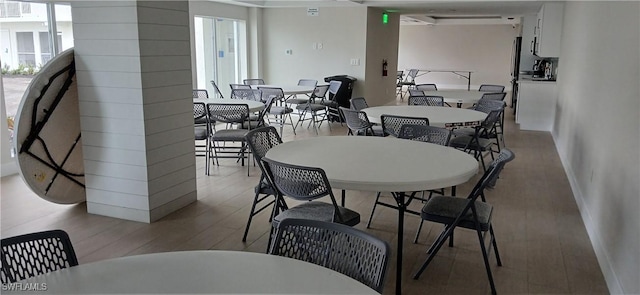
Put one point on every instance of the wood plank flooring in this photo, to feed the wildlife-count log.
(541, 237)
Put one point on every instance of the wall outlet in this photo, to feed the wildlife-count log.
(288, 52)
(320, 45)
(355, 61)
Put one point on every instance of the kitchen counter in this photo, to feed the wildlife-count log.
(530, 79)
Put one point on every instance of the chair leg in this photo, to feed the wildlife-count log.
(253, 208)
(373, 210)
(415, 240)
(495, 245)
(292, 126)
(485, 257)
(434, 250)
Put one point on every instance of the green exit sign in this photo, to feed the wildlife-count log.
(385, 18)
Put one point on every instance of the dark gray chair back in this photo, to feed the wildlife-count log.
(253, 82)
(33, 254)
(430, 134)
(491, 88)
(359, 103)
(391, 124)
(200, 93)
(344, 249)
(424, 100)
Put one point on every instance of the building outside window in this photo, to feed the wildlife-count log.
(26, 46)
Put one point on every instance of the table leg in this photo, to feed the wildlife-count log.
(469, 82)
(401, 208)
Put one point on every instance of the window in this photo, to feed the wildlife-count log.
(45, 47)
(26, 49)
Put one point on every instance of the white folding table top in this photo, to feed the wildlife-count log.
(290, 89)
(254, 106)
(207, 272)
(457, 96)
(438, 116)
(384, 164)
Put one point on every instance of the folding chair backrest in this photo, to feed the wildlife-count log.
(359, 103)
(200, 93)
(344, 249)
(320, 92)
(415, 92)
(33, 254)
(261, 140)
(271, 92)
(356, 120)
(426, 87)
(239, 86)
(334, 86)
(391, 124)
(217, 90)
(253, 81)
(298, 182)
(430, 134)
(494, 96)
(248, 94)
(412, 75)
(491, 88)
(424, 100)
(228, 113)
(307, 82)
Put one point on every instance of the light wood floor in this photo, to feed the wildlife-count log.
(541, 237)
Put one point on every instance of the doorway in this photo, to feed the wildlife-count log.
(220, 53)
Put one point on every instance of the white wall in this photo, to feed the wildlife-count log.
(342, 32)
(484, 49)
(382, 43)
(597, 130)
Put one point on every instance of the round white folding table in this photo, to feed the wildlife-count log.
(208, 272)
(380, 164)
(254, 106)
(438, 116)
(457, 96)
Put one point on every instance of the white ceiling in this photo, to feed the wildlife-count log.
(420, 7)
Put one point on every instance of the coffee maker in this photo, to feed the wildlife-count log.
(543, 69)
(538, 68)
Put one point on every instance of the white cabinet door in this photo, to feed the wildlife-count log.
(549, 30)
(536, 107)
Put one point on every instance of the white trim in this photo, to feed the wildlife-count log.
(613, 283)
(8, 169)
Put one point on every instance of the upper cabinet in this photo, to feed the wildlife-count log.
(548, 30)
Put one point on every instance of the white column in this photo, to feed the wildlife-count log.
(134, 86)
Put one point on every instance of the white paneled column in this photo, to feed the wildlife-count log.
(134, 85)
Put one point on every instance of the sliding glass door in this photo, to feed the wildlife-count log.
(220, 53)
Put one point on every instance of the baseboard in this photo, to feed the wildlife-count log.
(8, 169)
(594, 236)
